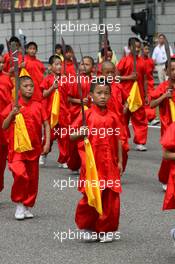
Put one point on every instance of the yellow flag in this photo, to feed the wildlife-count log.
(24, 72)
(134, 100)
(55, 109)
(172, 109)
(22, 141)
(92, 187)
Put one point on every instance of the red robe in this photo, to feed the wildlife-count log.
(105, 149)
(168, 143)
(6, 87)
(165, 120)
(115, 104)
(8, 61)
(164, 107)
(150, 112)
(24, 166)
(64, 119)
(36, 70)
(73, 91)
(74, 161)
(69, 68)
(138, 118)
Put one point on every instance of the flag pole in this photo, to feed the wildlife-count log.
(15, 60)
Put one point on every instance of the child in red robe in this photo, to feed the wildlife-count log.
(107, 151)
(52, 83)
(125, 69)
(86, 69)
(168, 144)
(150, 112)
(8, 60)
(162, 96)
(116, 102)
(6, 87)
(109, 58)
(68, 67)
(25, 164)
(35, 68)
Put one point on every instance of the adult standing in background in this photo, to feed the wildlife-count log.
(159, 57)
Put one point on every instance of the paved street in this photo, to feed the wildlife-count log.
(144, 227)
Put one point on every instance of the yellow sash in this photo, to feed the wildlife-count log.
(134, 100)
(22, 141)
(92, 187)
(55, 109)
(24, 72)
(172, 109)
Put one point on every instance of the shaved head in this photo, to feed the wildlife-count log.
(107, 64)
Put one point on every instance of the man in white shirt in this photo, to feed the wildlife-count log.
(159, 57)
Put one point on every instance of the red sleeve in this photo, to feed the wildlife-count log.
(43, 113)
(42, 67)
(77, 122)
(121, 65)
(6, 111)
(168, 139)
(44, 84)
(158, 91)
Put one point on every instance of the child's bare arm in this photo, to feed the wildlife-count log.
(77, 101)
(46, 93)
(81, 133)
(158, 101)
(10, 117)
(168, 155)
(46, 147)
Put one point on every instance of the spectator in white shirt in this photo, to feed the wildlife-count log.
(159, 57)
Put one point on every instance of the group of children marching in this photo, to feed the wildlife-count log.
(122, 92)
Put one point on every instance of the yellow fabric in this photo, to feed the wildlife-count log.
(134, 100)
(92, 187)
(24, 72)
(55, 109)
(21, 137)
(172, 109)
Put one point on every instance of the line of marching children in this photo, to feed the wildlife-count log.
(56, 102)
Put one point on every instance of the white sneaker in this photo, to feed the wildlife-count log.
(27, 213)
(173, 233)
(154, 122)
(19, 214)
(164, 187)
(42, 160)
(141, 147)
(59, 165)
(64, 166)
(106, 238)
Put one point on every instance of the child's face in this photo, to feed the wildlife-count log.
(108, 71)
(137, 48)
(17, 45)
(31, 50)
(26, 88)
(86, 64)
(146, 51)
(173, 71)
(1, 63)
(101, 95)
(58, 51)
(56, 66)
(69, 55)
(109, 55)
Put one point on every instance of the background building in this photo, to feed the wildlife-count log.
(37, 18)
